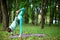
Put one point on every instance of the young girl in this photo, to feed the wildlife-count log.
(19, 17)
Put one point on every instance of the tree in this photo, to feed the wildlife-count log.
(58, 11)
(43, 13)
(26, 16)
(51, 12)
(43, 17)
(32, 16)
(0, 14)
(9, 8)
(32, 11)
(55, 13)
(4, 13)
(26, 12)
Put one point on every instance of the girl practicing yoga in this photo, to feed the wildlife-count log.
(19, 18)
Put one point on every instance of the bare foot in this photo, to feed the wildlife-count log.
(20, 35)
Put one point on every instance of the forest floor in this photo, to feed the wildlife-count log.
(53, 32)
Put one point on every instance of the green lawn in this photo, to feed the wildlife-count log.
(52, 32)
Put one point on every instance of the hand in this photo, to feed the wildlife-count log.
(16, 12)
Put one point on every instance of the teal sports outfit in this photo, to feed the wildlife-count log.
(20, 18)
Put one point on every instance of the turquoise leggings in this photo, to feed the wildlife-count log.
(20, 22)
(20, 18)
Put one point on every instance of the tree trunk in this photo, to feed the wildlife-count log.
(51, 13)
(46, 10)
(55, 14)
(51, 16)
(37, 17)
(59, 12)
(43, 14)
(5, 14)
(9, 6)
(0, 14)
(0, 17)
(32, 16)
(26, 14)
(26, 17)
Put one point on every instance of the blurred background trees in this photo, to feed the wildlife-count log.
(38, 12)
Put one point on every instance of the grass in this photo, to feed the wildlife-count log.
(52, 32)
